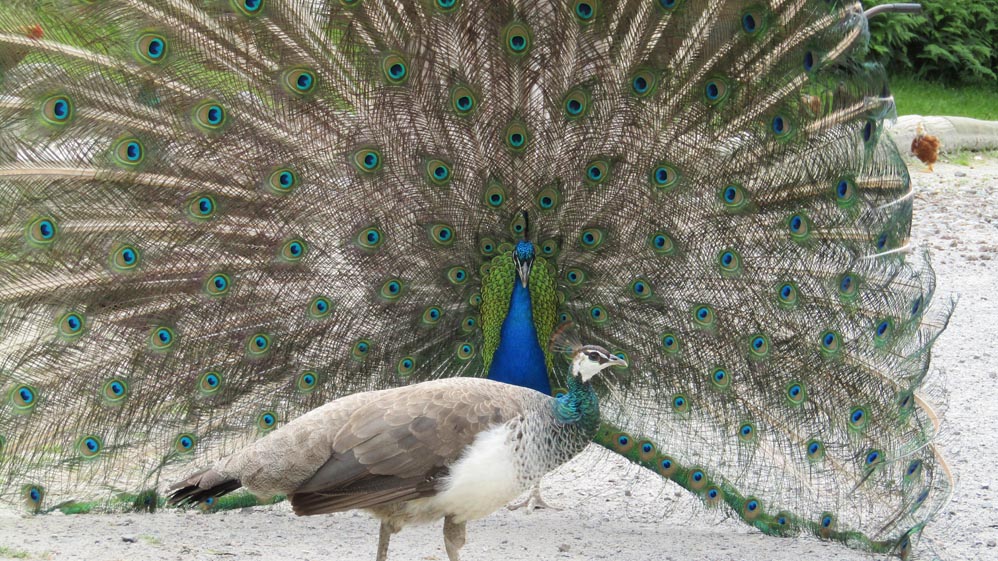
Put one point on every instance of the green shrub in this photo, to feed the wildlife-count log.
(951, 40)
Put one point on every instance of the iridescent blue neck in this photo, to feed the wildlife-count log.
(578, 405)
(519, 359)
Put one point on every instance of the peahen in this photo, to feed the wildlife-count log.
(456, 449)
(220, 214)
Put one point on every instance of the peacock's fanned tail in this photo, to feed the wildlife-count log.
(219, 214)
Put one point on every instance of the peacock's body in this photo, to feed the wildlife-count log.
(518, 358)
(218, 215)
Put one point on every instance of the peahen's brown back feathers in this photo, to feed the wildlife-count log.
(219, 215)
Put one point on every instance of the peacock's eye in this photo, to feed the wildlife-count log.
(594, 356)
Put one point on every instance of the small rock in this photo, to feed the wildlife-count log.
(960, 174)
(627, 493)
(991, 543)
(563, 548)
(128, 539)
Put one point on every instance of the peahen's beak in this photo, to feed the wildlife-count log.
(617, 361)
(523, 268)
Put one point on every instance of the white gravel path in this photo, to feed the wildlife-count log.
(612, 510)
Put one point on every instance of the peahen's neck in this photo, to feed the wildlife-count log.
(519, 359)
(579, 405)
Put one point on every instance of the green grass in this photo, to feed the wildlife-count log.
(8, 553)
(967, 158)
(916, 97)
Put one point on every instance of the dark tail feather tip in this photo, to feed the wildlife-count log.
(201, 487)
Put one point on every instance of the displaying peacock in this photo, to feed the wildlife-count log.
(221, 214)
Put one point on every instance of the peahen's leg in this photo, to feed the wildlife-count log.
(387, 529)
(454, 535)
(533, 501)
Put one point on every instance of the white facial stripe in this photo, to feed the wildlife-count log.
(590, 361)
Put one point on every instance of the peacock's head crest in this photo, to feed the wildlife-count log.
(590, 360)
(523, 258)
(524, 250)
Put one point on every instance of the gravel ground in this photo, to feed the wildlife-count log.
(613, 510)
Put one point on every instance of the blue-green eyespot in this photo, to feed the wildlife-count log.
(151, 48)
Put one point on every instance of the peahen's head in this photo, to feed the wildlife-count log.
(523, 258)
(590, 360)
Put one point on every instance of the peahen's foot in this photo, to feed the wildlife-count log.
(532, 502)
(454, 538)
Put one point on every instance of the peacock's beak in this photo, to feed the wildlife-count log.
(523, 268)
